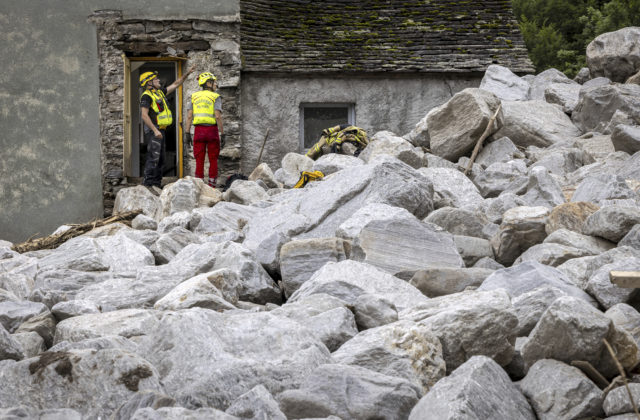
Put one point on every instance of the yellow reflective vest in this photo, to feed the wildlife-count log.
(160, 107)
(204, 107)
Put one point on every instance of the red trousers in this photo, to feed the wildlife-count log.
(206, 140)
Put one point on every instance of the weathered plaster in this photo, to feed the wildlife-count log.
(388, 102)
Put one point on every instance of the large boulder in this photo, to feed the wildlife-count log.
(334, 162)
(350, 393)
(612, 222)
(469, 323)
(564, 94)
(245, 192)
(387, 143)
(626, 138)
(530, 306)
(351, 227)
(137, 198)
(570, 216)
(421, 247)
(597, 106)
(559, 391)
(618, 404)
(441, 281)
(615, 55)
(571, 329)
(499, 150)
(501, 177)
(543, 80)
(543, 189)
(403, 349)
(521, 228)
(479, 389)
(607, 293)
(223, 222)
(456, 126)
(598, 188)
(9, 347)
(550, 254)
(535, 123)
(503, 83)
(454, 187)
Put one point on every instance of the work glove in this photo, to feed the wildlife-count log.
(188, 139)
(222, 140)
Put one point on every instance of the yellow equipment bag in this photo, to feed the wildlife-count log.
(305, 177)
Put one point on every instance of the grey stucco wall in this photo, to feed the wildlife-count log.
(393, 102)
(50, 145)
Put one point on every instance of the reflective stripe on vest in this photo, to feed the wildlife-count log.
(164, 117)
(204, 107)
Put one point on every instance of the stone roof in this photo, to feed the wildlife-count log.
(309, 36)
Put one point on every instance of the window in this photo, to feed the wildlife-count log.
(315, 117)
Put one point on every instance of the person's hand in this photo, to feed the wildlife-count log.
(188, 139)
(191, 69)
(222, 140)
(157, 134)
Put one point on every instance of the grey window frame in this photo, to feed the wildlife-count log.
(351, 116)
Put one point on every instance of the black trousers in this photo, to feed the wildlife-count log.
(155, 159)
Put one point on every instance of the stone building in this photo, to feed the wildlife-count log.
(286, 69)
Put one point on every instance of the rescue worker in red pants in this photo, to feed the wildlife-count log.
(205, 111)
(156, 116)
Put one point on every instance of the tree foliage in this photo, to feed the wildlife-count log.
(557, 32)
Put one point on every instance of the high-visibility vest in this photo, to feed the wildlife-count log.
(160, 107)
(204, 107)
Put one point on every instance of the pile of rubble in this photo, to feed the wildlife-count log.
(397, 287)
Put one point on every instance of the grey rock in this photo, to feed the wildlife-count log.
(403, 349)
(530, 306)
(369, 395)
(459, 221)
(137, 198)
(317, 211)
(521, 228)
(498, 151)
(469, 323)
(617, 400)
(224, 220)
(201, 292)
(23, 412)
(612, 163)
(179, 196)
(596, 81)
(563, 94)
(94, 383)
(545, 79)
(454, 128)
(596, 145)
(245, 192)
(143, 221)
(264, 173)
(126, 323)
(299, 259)
(9, 347)
(612, 222)
(348, 279)
(579, 270)
(571, 329)
(334, 162)
(583, 75)
(630, 168)
(325, 316)
(291, 166)
(419, 135)
(626, 317)
(256, 404)
(12, 314)
(500, 177)
(542, 189)
(570, 216)
(99, 343)
(43, 324)
(71, 308)
(607, 293)
(17, 275)
(387, 143)
(454, 186)
(170, 243)
(443, 281)
(597, 188)
(476, 390)
(144, 237)
(372, 310)
(535, 123)
(30, 342)
(472, 249)
(420, 248)
(210, 359)
(528, 276)
(503, 83)
(597, 105)
(178, 413)
(490, 263)
(618, 118)
(54, 286)
(180, 219)
(551, 254)
(516, 368)
(498, 205)
(142, 399)
(559, 391)
(590, 244)
(632, 238)
(351, 227)
(626, 138)
(432, 161)
(562, 160)
(615, 54)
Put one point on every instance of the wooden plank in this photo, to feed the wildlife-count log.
(626, 279)
(126, 155)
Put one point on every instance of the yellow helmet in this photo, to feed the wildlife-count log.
(204, 77)
(147, 77)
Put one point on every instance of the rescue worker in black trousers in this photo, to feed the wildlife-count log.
(156, 116)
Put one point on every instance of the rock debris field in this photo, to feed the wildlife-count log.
(395, 288)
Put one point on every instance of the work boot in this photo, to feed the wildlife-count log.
(212, 182)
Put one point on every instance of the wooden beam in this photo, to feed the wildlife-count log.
(626, 279)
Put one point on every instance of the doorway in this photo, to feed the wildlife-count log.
(135, 150)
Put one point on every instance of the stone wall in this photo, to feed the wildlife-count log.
(210, 45)
(384, 102)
